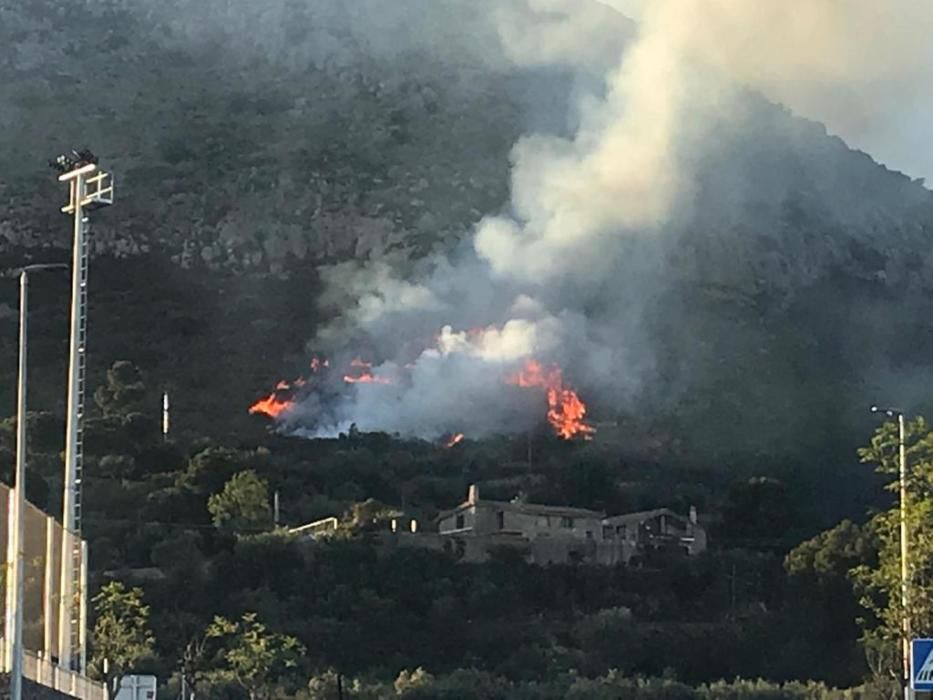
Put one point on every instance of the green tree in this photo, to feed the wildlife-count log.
(829, 557)
(758, 513)
(878, 583)
(243, 505)
(822, 602)
(212, 467)
(366, 516)
(253, 656)
(124, 391)
(121, 635)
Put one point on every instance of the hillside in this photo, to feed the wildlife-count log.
(256, 149)
(258, 145)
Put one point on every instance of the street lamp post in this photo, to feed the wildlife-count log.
(15, 534)
(905, 572)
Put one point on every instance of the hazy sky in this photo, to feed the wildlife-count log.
(882, 105)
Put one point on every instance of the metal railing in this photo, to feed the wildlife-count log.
(325, 526)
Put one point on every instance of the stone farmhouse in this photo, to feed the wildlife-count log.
(542, 534)
(554, 534)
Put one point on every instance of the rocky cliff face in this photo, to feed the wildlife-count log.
(302, 143)
(780, 205)
(242, 140)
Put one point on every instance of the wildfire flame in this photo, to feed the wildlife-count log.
(364, 374)
(279, 401)
(566, 411)
(454, 439)
(271, 406)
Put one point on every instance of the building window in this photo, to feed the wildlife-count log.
(459, 525)
(566, 522)
(500, 520)
(589, 534)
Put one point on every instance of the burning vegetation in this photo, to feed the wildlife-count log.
(361, 372)
(565, 412)
(276, 403)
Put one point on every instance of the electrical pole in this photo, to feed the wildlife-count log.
(89, 187)
(905, 573)
(905, 551)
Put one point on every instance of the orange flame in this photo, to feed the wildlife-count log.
(275, 404)
(566, 411)
(365, 374)
(271, 406)
(454, 439)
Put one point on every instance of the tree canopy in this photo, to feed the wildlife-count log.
(121, 637)
(242, 505)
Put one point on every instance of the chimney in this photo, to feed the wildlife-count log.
(693, 514)
(473, 495)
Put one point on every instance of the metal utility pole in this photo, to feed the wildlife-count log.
(165, 416)
(905, 570)
(905, 574)
(15, 545)
(16, 533)
(89, 188)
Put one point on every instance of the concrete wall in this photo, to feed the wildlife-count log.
(537, 524)
(32, 690)
(483, 519)
(449, 524)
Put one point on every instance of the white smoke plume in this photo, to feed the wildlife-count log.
(825, 59)
(566, 271)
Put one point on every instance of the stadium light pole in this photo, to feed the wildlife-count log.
(15, 534)
(89, 187)
(905, 572)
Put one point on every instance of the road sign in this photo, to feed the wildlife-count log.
(921, 664)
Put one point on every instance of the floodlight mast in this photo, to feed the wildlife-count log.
(89, 187)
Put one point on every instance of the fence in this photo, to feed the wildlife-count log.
(43, 539)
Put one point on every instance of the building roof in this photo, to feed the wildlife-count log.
(644, 515)
(526, 509)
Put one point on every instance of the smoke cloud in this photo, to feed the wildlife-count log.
(569, 272)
